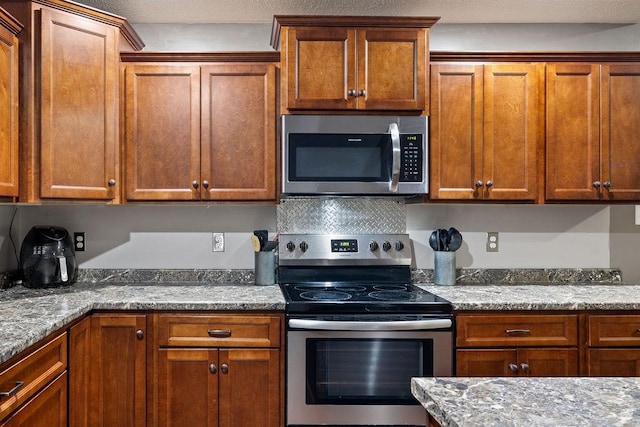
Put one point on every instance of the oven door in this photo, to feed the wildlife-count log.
(337, 377)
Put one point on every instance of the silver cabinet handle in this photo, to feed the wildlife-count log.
(212, 368)
(362, 92)
(489, 183)
(13, 391)
(513, 368)
(524, 367)
(401, 325)
(607, 184)
(596, 184)
(195, 184)
(224, 368)
(219, 333)
(517, 331)
(205, 184)
(395, 165)
(479, 183)
(351, 92)
(111, 182)
(139, 334)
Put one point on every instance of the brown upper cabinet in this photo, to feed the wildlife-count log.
(69, 100)
(9, 28)
(353, 63)
(486, 131)
(200, 130)
(593, 120)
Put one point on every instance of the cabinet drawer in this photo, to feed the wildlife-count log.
(614, 331)
(29, 375)
(218, 331)
(516, 330)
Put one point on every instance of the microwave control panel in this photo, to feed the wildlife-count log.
(411, 158)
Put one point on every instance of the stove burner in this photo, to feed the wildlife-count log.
(390, 287)
(335, 287)
(325, 295)
(396, 295)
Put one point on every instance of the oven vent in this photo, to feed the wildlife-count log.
(342, 215)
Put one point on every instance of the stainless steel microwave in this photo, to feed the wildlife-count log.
(351, 155)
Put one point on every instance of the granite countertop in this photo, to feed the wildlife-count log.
(504, 402)
(539, 297)
(29, 315)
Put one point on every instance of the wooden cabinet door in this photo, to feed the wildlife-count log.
(8, 113)
(573, 132)
(188, 387)
(548, 362)
(513, 133)
(485, 362)
(117, 390)
(79, 370)
(249, 388)
(238, 132)
(162, 132)
(456, 131)
(78, 107)
(614, 362)
(620, 131)
(320, 67)
(47, 409)
(392, 69)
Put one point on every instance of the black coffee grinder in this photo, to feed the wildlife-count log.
(47, 257)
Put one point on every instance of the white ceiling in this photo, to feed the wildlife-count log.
(450, 11)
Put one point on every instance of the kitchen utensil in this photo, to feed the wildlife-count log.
(433, 240)
(255, 242)
(444, 239)
(455, 239)
(270, 245)
(262, 235)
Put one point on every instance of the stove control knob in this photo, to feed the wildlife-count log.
(399, 246)
(386, 246)
(373, 246)
(291, 246)
(304, 246)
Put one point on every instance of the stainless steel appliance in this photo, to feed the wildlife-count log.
(358, 330)
(324, 154)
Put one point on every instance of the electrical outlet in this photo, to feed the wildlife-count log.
(79, 241)
(492, 241)
(218, 242)
(637, 219)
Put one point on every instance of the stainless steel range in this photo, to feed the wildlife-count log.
(358, 330)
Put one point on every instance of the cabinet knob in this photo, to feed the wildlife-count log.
(224, 368)
(362, 92)
(139, 334)
(489, 184)
(205, 184)
(112, 182)
(524, 367)
(195, 184)
(479, 183)
(513, 368)
(351, 92)
(596, 184)
(607, 184)
(212, 368)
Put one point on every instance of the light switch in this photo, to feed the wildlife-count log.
(637, 222)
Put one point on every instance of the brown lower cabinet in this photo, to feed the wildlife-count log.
(613, 345)
(519, 344)
(47, 409)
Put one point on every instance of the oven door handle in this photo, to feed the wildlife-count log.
(397, 325)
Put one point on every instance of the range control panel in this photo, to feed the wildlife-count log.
(331, 249)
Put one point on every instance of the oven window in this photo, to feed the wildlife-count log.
(331, 157)
(365, 371)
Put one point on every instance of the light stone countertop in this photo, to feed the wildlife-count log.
(29, 315)
(540, 402)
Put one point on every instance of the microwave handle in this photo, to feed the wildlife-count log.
(395, 163)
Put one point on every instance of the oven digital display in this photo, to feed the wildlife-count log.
(344, 245)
